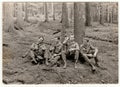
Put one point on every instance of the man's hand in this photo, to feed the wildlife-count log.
(94, 55)
(39, 57)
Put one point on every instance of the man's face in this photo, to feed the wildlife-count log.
(85, 42)
(71, 38)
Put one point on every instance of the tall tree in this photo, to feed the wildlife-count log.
(45, 12)
(101, 14)
(53, 10)
(26, 11)
(64, 20)
(65, 15)
(8, 16)
(79, 24)
(20, 21)
(14, 9)
(70, 13)
(98, 12)
(113, 12)
(110, 15)
(88, 14)
(107, 13)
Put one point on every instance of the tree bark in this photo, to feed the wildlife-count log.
(101, 14)
(113, 14)
(79, 24)
(88, 14)
(53, 11)
(108, 13)
(26, 12)
(65, 15)
(45, 12)
(64, 21)
(70, 13)
(8, 16)
(20, 21)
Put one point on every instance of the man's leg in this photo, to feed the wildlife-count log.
(64, 59)
(76, 57)
(32, 55)
(95, 57)
(26, 54)
(46, 56)
(55, 60)
(96, 61)
(87, 60)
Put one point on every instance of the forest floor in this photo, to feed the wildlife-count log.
(18, 70)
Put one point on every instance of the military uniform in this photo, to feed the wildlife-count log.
(88, 51)
(70, 47)
(37, 51)
(56, 52)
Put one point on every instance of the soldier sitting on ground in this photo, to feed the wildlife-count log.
(70, 47)
(88, 51)
(56, 51)
(37, 51)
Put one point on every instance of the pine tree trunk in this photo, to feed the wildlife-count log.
(26, 12)
(88, 14)
(53, 11)
(108, 13)
(65, 15)
(45, 12)
(112, 14)
(20, 21)
(14, 9)
(101, 15)
(97, 13)
(70, 13)
(64, 20)
(79, 25)
(8, 16)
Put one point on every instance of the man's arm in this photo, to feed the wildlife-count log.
(94, 48)
(26, 53)
(76, 47)
(66, 40)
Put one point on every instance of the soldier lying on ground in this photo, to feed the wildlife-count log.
(37, 51)
(70, 47)
(88, 51)
(56, 51)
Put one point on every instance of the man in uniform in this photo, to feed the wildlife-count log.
(70, 47)
(37, 51)
(88, 51)
(56, 51)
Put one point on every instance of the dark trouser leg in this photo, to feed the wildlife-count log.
(32, 55)
(76, 57)
(64, 59)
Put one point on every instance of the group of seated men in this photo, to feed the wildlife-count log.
(39, 51)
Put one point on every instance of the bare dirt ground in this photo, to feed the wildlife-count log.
(17, 70)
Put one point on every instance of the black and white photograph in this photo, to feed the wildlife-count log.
(60, 43)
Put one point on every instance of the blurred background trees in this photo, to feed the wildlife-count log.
(8, 20)
(75, 15)
(106, 12)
